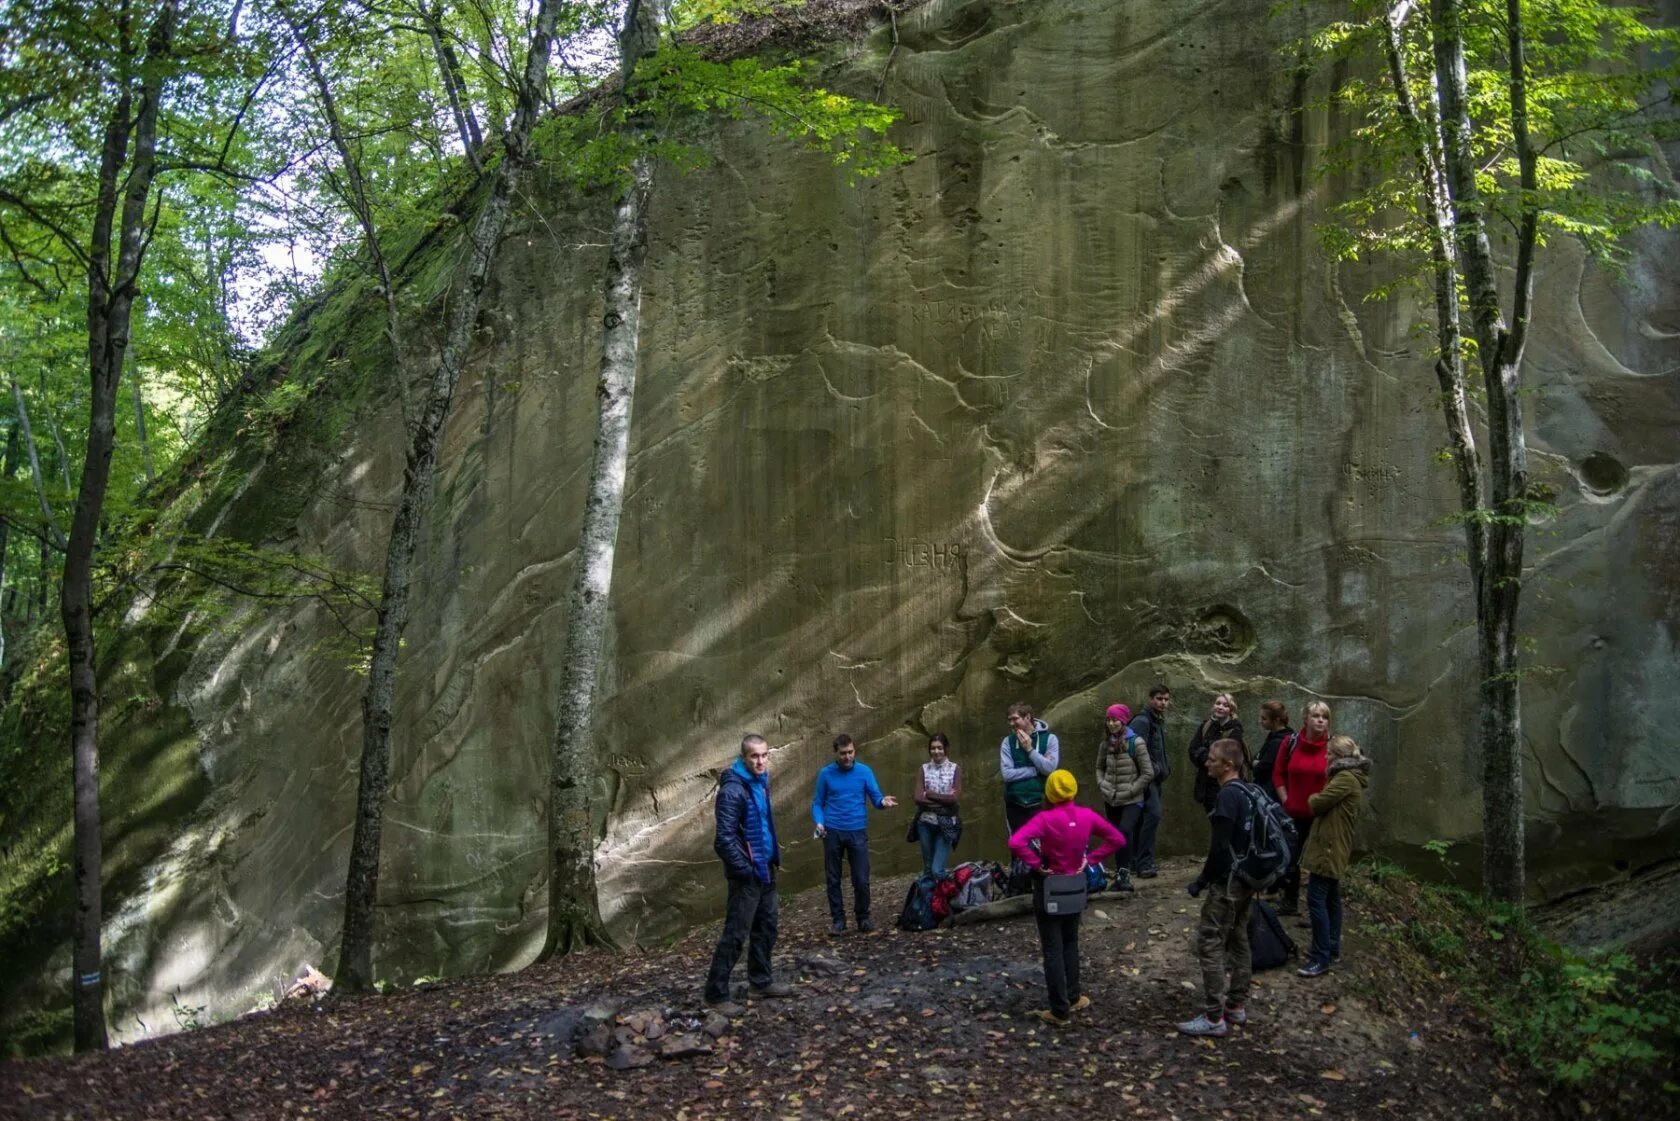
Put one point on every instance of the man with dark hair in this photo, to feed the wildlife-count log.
(1221, 938)
(840, 805)
(745, 840)
(1151, 726)
(1028, 754)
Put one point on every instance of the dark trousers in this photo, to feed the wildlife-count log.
(1147, 825)
(853, 845)
(1291, 882)
(749, 919)
(1058, 936)
(1017, 816)
(1125, 819)
(1324, 909)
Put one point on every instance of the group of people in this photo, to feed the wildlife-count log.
(1317, 778)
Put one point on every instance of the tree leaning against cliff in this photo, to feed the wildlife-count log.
(355, 965)
(681, 80)
(1457, 155)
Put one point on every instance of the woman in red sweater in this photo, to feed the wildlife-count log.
(1300, 773)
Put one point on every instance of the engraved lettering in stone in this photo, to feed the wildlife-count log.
(917, 552)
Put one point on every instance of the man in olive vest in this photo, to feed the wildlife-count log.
(1028, 753)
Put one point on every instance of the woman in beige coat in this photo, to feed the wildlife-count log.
(1124, 772)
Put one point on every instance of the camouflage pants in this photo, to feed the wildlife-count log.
(1221, 946)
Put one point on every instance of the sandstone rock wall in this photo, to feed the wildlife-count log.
(1067, 405)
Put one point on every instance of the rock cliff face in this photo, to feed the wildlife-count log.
(1068, 405)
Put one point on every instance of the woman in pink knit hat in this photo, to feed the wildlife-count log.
(1123, 774)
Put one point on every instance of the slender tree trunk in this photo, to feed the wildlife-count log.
(355, 967)
(140, 427)
(449, 70)
(574, 916)
(1499, 351)
(112, 287)
(49, 524)
(9, 472)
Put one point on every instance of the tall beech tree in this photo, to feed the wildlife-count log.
(655, 84)
(100, 100)
(1498, 117)
(355, 965)
(140, 47)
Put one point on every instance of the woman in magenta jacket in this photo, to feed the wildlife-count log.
(1301, 771)
(1057, 841)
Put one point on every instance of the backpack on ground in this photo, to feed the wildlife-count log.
(979, 888)
(918, 905)
(1269, 944)
(1264, 845)
(1095, 878)
(1020, 880)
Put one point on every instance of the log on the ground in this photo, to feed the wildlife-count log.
(1015, 906)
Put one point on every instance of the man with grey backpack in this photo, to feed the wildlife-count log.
(1248, 851)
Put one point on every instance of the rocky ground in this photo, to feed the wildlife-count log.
(882, 1025)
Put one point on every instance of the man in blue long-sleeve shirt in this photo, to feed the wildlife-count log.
(840, 807)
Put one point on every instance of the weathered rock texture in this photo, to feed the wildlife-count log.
(1068, 405)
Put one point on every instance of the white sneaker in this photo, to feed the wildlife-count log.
(1201, 1025)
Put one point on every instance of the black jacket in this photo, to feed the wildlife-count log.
(1268, 759)
(1207, 732)
(1154, 733)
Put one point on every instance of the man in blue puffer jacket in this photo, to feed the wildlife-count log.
(746, 843)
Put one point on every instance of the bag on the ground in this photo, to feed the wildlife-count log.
(1269, 944)
(1095, 879)
(983, 884)
(1060, 895)
(918, 905)
(1020, 878)
(1263, 846)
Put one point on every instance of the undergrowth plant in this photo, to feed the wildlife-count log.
(1578, 1019)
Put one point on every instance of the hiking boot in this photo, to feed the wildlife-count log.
(1122, 882)
(1081, 1004)
(1313, 969)
(1148, 873)
(865, 927)
(1054, 1020)
(1288, 907)
(726, 1008)
(1201, 1025)
(1236, 1014)
(839, 927)
(773, 989)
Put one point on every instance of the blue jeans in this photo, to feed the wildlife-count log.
(935, 848)
(1324, 909)
(853, 845)
(1143, 858)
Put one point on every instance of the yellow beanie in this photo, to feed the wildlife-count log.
(1061, 786)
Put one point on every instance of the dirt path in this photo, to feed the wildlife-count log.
(883, 1025)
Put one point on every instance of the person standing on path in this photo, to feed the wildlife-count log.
(1335, 813)
(1123, 775)
(938, 790)
(1028, 754)
(1055, 842)
(840, 805)
(1151, 726)
(1274, 719)
(1221, 939)
(1300, 773)
(745, 840)
(1221, 724)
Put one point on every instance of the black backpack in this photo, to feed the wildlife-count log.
(918, 905)
(1269, 944)
(1264, 846)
